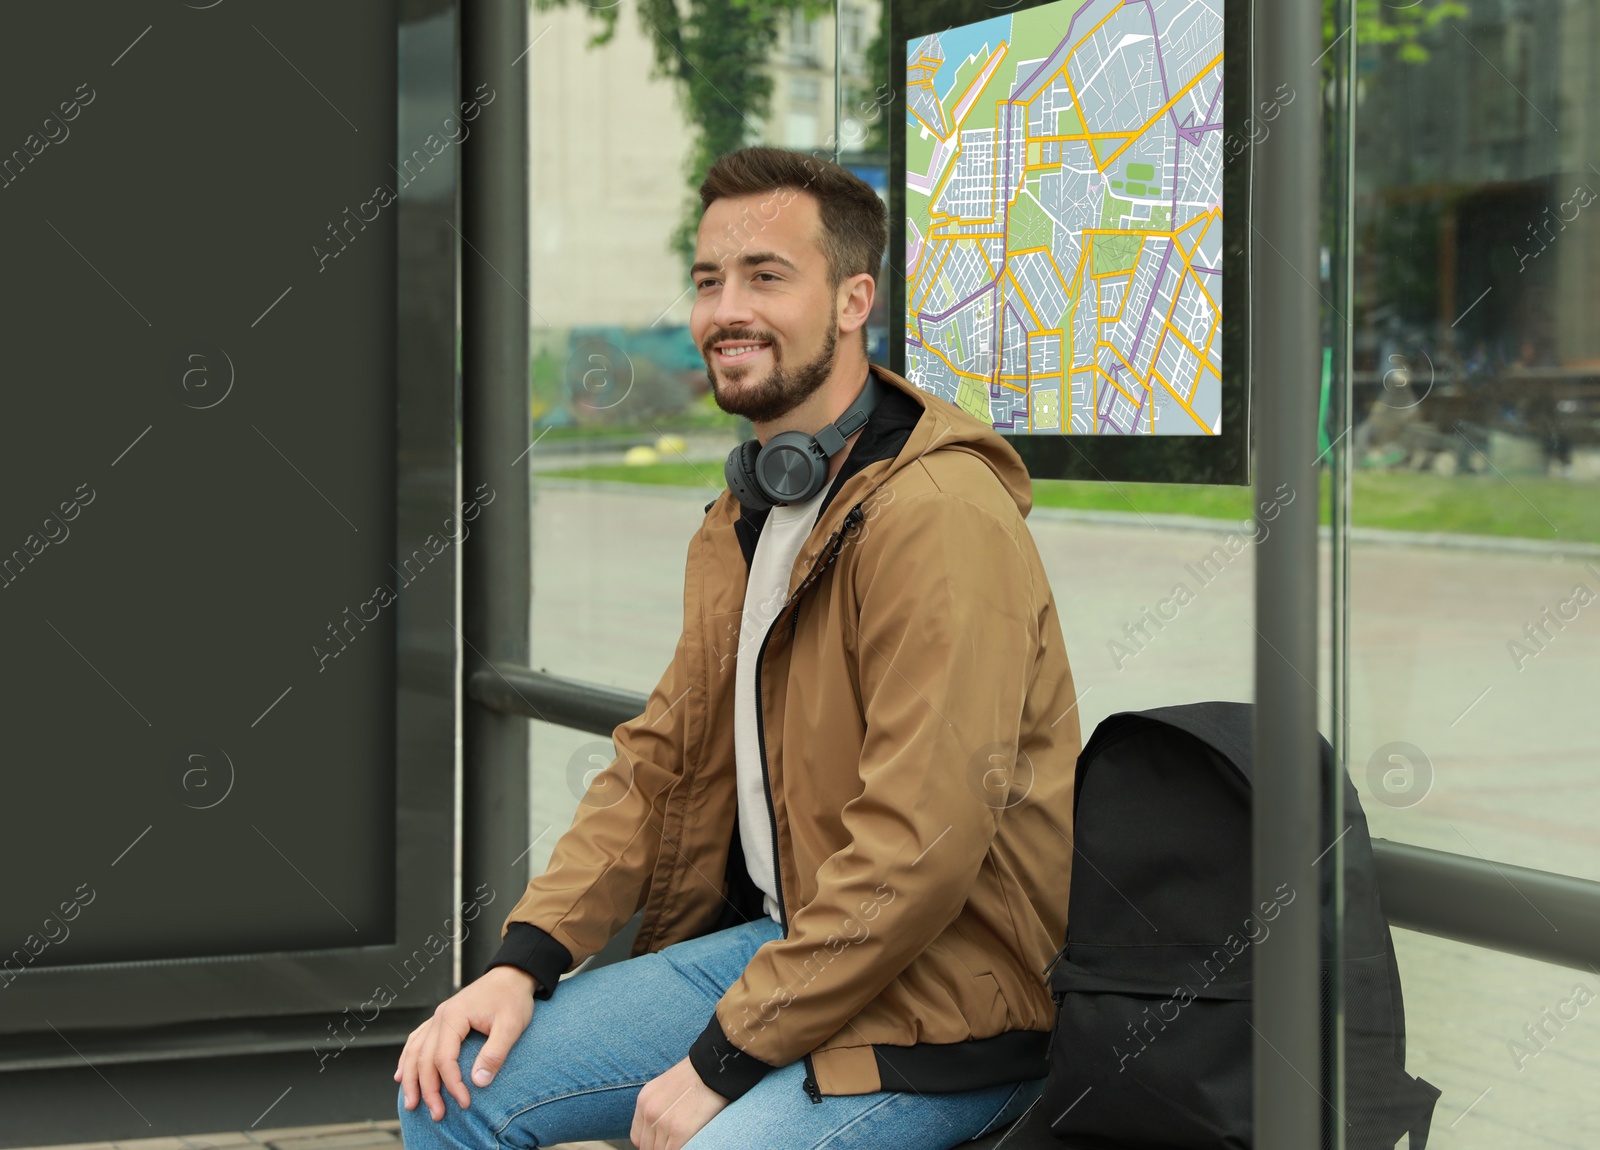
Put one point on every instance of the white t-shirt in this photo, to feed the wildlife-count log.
(782, 534)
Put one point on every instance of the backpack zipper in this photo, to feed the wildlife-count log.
(831, 551)
(1056, 959)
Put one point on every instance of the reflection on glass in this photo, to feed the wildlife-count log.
(1475, 563)
(629, 105)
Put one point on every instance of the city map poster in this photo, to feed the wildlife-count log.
(1063, 204)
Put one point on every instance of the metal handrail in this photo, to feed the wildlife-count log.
(1536, 914)
(1533, 913)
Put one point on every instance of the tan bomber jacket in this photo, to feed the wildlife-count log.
(919, 733)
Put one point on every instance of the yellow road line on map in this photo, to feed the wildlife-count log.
(1021, 295)
(1121, 306)
(1076, 139)
(1069, 338)
(1049, 255)
(932, 279)
(1148, 124)
(1114, 10)
(1201, 284)
(1155, 375)
(949, 169)
(1115, 384)
(953, 367)
(1078, 107)
(1183, 404)
(985, 74)
(941, 137)
(1125, 232)
(1176, 292)
(1186, 341)
(1117, 351)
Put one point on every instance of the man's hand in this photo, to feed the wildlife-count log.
(673, 1108)
(500, 1005)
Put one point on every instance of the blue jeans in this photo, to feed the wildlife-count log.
(576, 1071)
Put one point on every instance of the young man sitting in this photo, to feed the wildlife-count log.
(846, 811)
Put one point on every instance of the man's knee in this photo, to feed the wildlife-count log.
(474, 1126)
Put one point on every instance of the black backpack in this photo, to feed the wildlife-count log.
(1152, 1043)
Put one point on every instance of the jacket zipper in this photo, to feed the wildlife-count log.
(811, 1081)
(831, 552)
(832, 547)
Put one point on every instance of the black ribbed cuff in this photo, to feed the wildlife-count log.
(529, 948)
(723, 1066)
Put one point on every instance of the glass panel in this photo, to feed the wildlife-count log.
(630, 442)
(1511, 1043)
(1476, 560)
(614, 371)
(1475, 548)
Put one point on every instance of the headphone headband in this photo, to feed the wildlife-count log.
(792, 466)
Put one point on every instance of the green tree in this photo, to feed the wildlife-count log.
(715, 52)
(1401, 25)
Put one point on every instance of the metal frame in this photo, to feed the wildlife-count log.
(1287, 807)
(209, 1043)
(496, 562)
(1342, 267)
(1219, 459)
(1536, 914)
(163, 992)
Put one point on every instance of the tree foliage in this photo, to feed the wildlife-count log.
(1399, 24)
(715, 52)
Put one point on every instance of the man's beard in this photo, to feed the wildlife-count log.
(781, 391)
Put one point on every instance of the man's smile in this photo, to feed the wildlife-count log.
(733, 352)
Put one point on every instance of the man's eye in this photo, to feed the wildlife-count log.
(769, 275)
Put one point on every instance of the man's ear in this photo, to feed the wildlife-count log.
(855, 302)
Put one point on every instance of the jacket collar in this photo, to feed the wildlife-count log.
(906, 424)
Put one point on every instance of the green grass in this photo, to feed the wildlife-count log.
(1528, 507)
(1150, 498)
(707, 475)
(1535, 508)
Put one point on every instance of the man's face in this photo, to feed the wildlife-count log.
(765, 317)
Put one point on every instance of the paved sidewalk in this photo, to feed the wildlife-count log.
(347, 1136)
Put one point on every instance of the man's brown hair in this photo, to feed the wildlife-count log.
(855, 226)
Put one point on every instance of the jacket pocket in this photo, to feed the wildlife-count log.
(984, 1004)
(986, 990)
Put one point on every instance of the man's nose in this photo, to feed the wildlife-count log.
(733, 306)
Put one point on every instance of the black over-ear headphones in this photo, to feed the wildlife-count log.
(792, 466)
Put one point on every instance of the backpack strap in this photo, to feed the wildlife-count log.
(1425, 1096)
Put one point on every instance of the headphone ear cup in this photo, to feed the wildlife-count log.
(788, 468)
(740, 472)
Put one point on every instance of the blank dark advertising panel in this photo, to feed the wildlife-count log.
(227, 505)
